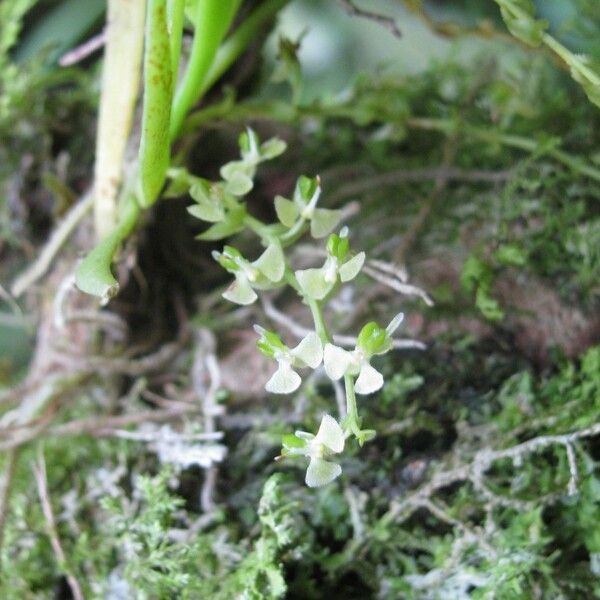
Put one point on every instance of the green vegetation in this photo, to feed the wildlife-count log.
(451, 455)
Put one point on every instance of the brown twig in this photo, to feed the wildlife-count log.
(393, 178)
(39, 472)
(388, 22)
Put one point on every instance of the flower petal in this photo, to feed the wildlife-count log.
(309, 350)
(240, 292)
(369, 380)
(313, 283)
(330, 434)
(272, 148)
(284, 381)
(271, 262)
(321, 472)
(287, 211)
(394, 324)
(337, 361)
(324, 221)
(351, 268)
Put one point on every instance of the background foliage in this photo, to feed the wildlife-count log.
(477, 171)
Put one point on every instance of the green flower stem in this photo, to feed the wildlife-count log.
(261, 229)
(295, 233)
(212, 19)
(352, 424)
(175, 14)
(319, 321)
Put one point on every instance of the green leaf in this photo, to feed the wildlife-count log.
(324, 221)
(489, 307)
(287, 211)
(474, 271)
(511, 255)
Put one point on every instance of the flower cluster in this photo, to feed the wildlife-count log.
(221, 205)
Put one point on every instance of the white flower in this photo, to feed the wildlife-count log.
(328, 441)
(372, 340)
(238, 174)
(308, 353)
(266, 270)
(317, 283)
(304, 207)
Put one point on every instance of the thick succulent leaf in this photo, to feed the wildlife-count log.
(321, 472)
(309, 350)
(337, 361)
(350, 269)
(369, 380)
(284, 381)
(271, 263)
(287, 211)
(313, 283)
(324, 221)
(240, 292)
(330, 434)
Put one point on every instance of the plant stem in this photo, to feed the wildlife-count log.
(353, 421)
(319, 321)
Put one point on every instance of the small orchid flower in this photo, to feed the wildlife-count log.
(317, 283)
(372, 340)
(328, 441)
(263, 273)
(304, 207)
(238, 174)
(308, 353)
